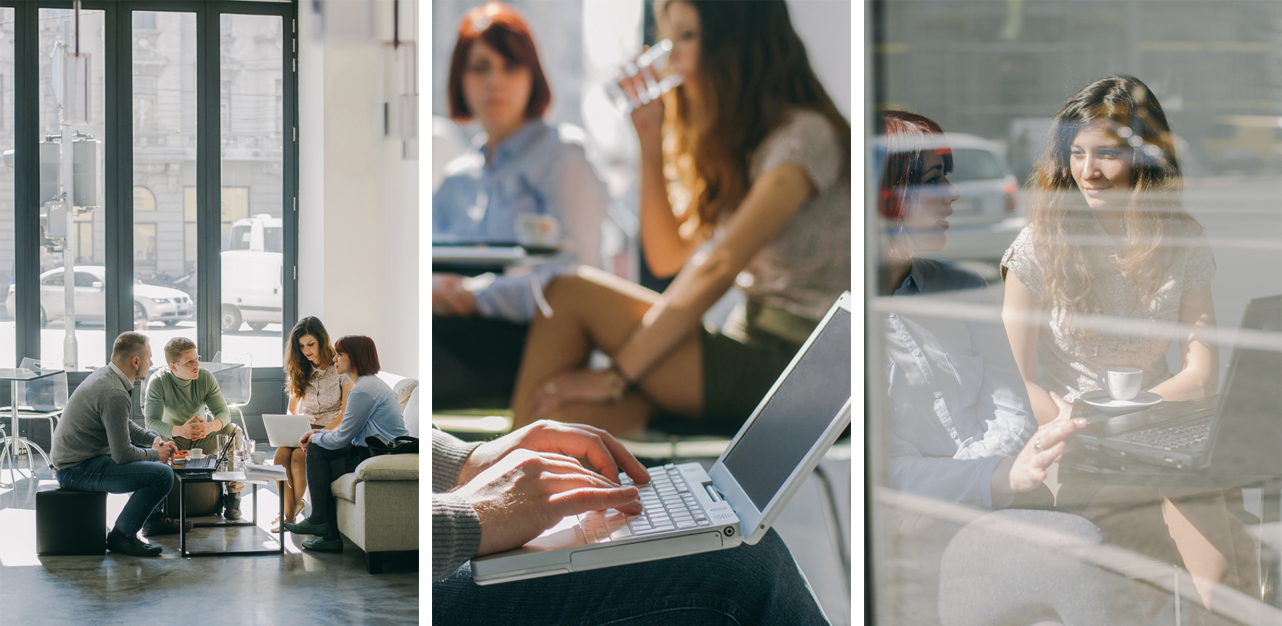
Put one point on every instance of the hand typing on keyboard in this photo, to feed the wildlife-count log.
(525, 482)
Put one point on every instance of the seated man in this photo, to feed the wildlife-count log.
(176, 397)
(97, 448)
(499, 495)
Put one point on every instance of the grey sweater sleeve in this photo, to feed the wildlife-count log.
(456, 529)
(135, 444)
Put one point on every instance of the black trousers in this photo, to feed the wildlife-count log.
(475, 361)
(323, 467)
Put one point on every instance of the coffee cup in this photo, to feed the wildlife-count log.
(1122, 383)
(197, 453)
(535, 230)
(259, 457)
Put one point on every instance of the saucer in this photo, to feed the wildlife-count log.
(1101, 400)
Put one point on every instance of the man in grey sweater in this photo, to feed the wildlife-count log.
(97, 448)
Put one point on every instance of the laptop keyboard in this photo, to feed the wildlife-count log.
(207, 462)
(1171, 438)
(668, 505)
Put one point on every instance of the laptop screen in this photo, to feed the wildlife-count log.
(796, 415)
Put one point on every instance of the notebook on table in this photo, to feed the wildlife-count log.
(1237, 434)
(689, 510)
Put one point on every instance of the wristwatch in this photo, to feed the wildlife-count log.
(616, 382)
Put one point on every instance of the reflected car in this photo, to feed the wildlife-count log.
(988, 215)
(151, 303)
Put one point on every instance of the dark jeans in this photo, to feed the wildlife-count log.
(323, 467)
(475, 361)
(758, 584)
(149, 481)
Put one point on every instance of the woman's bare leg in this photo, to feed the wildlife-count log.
(299, 464)
(1203, 531)
(593, 309)
(282, 457)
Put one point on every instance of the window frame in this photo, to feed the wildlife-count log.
(118, 166)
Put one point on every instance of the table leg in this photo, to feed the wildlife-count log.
(182, 517)
(281, 492)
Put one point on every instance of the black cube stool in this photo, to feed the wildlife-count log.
(70, 522)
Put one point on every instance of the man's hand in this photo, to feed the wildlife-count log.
(450, 298)
(166, 449)
(527, 492)
(1027, 470)
(305, 439)
(574, 440)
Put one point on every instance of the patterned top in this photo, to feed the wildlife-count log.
(324, 397)
(1069, 366)
(807, 265)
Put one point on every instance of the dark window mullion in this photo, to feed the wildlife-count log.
(289, 111)
(208, 183)
(26, 118)
(118, 170)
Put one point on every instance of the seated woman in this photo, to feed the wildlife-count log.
(315, 389)
(527, 182)
(959, 424)
(1108, 236)
(756, 158)
(372, 409)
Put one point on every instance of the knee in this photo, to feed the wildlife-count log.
(565, 289)
(163, 476)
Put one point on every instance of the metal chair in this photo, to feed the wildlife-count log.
(234, 374)
(38, 399)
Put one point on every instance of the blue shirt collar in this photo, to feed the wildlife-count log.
(520, 140)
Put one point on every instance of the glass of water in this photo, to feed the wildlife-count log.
(645, 78)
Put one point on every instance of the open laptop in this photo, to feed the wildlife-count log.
(207, 463)
(1238, 433)
(284, 431)
(688, 510)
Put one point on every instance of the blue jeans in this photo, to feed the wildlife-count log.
(758, 584)
(149, 481)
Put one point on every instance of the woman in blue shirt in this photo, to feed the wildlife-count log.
(527, 182)
(372, 409)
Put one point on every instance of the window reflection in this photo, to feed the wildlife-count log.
(1118, 263)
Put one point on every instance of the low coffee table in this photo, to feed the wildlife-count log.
(193, 477)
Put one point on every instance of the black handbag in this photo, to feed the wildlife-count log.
(379, 444)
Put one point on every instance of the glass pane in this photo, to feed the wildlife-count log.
(164, 113)
(253, 162)
(81, 117)
(7, 330)
(1116, 181)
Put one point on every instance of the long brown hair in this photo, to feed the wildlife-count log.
(1060, 220)
(298, 368)
(753, 69)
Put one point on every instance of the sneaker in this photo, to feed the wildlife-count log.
(133, 546)
(307, 528)
(231, 506)
(321, 544)
(161, 525)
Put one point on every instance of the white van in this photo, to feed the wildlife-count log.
(259, 233)
(253, 289)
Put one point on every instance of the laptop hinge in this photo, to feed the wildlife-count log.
(713, 493)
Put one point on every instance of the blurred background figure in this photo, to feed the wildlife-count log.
(525, 181)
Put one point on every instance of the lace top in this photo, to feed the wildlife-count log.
(324, 397)
(1069, 366)
(807, 265)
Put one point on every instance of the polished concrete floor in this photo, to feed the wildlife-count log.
(300, 587)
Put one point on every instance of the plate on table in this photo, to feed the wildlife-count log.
(1102, 401)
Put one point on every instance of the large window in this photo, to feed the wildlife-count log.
(170, 132)
(1140, 227)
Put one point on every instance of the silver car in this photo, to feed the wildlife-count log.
(988, 215)
(151, 303)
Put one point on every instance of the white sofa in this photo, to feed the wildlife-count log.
(378, 503)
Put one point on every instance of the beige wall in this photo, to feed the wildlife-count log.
(358, 205)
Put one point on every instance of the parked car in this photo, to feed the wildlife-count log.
(988, 215)
(253, 289)
(151, 303)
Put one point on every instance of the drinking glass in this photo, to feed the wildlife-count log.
(650, 76)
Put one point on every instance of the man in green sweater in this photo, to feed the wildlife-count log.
(176, 398)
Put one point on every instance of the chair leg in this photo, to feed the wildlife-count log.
(374, 562)
(831, 496)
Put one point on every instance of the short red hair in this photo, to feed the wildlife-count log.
(907, 136)
(503, 29)
(360, 352)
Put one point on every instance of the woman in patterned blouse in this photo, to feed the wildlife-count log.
(316, 390)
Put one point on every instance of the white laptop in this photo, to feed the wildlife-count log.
(688, 510)
(284, 431)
